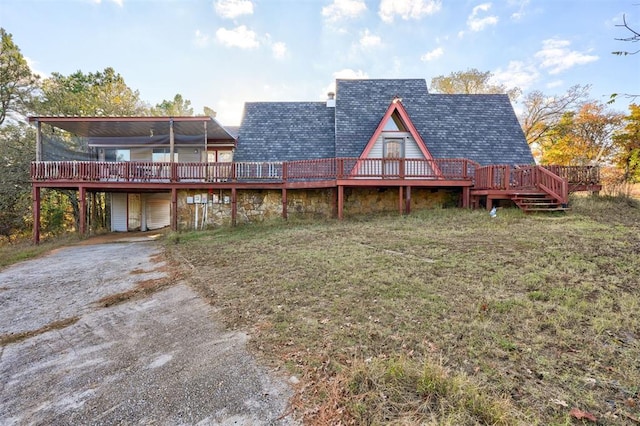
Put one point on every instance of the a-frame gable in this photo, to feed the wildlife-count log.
(396, 107)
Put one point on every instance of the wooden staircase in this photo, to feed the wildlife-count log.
(531, 188)
(538, 202)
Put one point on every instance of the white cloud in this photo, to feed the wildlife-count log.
(554, 84)
(201, 39)
(33, 67)
(521, 4)
(279, 50)
(344, 74)
(233, 8)
(241, 37)
(476, 23)
(118, 2)
(518, 74)
(556, 56)
(407, 9)
(368, 40)
(342, 9)
(434, 54)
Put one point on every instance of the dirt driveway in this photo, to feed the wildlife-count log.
(158, 359)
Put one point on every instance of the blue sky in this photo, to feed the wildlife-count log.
(221, 53)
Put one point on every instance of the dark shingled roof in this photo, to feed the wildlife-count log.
(286, 131)
(360, 105)
(482, 128)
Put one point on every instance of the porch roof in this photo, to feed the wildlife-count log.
(135, 127)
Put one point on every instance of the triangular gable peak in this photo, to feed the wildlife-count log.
(396, 119)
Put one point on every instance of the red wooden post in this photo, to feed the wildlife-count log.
(234, 206)
(83, 209)
(340, 166)
(466, 191)
(400, 199)
(407, 201)
(507, 177)
(284, 203)
(340, 202)
(36, 214)
(174, 209)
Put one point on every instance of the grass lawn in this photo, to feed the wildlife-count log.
(441, 317)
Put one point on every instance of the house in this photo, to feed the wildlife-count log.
(373, 145)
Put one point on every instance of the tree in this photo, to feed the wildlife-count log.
(471, 81)
(582, 137)
(634, 37)
(210, 112)
(542, 113)
(175, 108)
(16, 155)
(17, 82)
(103, 93)
(628, 143)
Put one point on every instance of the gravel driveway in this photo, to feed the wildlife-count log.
(160, 359)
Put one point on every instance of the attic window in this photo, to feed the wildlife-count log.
(394, 124)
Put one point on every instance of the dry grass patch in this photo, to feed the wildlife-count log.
(537, 314)
(18, 337)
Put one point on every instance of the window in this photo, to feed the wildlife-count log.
(393, 148)
(163, 155)
(220, 156)
(117, 155)
(394, 124)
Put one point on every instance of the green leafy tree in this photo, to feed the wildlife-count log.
(209, 111)
(177, 107)
(471, 81)
(17, 152)
(102, 93)
(628, 143)
(17, 81)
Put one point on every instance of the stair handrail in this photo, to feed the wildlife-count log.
(553, 184)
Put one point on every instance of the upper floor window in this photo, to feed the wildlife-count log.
(117, 155)
(393, 148)
(163, 155)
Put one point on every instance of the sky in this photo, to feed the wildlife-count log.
(222, 53)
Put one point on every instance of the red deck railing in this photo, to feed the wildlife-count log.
(522, 178)
(306, 170)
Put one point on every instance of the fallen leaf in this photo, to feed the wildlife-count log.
(560, 402)
(580, 415)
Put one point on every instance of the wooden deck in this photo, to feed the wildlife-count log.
(530, 187)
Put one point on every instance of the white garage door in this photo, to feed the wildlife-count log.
(158, 213)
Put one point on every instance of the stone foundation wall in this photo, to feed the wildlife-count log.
(259, 205)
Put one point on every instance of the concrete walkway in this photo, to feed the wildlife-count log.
(160, 359)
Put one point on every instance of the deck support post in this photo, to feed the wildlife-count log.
(38, 140)
(489, 202)
(174, 209)
(400, 199)
(234, 206)
(284, 204)
(83, 209)
(466, 197)
(171, 141)
(340, 202)
(36, 214)
(407, 201)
